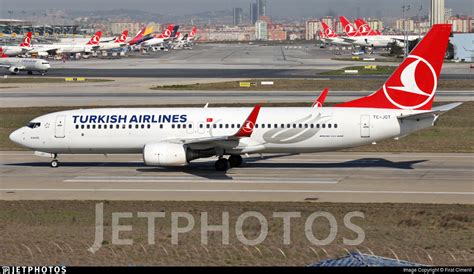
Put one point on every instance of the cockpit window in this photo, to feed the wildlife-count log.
(33, 125)
(45, 63)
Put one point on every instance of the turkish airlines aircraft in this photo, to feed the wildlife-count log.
(15, 65)
(176, 136)
(373, 40)
(117, 43)
(46, 49)
(160, 39)
(331, 37)
(24, 46)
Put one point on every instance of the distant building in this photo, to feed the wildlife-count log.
(460, 24)
(261, 30)
(117, 28)
(375, 24)
(312, 29)
(330, 21)
(262, 7)
(437, 12)
(253, 13)
(238, 15)
(277, 35)
(403, 25)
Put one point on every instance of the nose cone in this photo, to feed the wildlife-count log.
(16, 136)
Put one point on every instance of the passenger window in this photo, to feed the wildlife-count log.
(208, 126)
(184, 126)
(317, 125)
(269, 125)
(117, 126)
(178, 126)
(99, 126)
(312, 125)
(294, 125)
(200, 125)
(105, 126)
(335, 125)
(161, 126)
(238, 125)
(220, 125)
(172, 125)
(143, 126)
(324, 125)
(300, 125)
(93, 126)
(130, 126)
(226, 125)
(256, 125)
(232, 125)
(329, 125)
(148, 126)
(88, 126)
(77, 126)
(214, 126)
(263, 125)
(305, 125)
(276, 126)
(123, 126)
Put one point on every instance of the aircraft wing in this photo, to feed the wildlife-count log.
(9, 66)
(436, 111)
(245, 131)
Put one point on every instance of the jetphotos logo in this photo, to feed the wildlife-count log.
(413, 85)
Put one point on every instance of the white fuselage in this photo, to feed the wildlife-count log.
(62, 48)
(154, 41)
(278, 130)
(379, 40)
(13, 50)
(110, 45)
(15, 64)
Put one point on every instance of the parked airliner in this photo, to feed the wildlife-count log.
(15, 64)
(176, 136)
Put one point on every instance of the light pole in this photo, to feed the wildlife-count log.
(11, 21)
(405, 8)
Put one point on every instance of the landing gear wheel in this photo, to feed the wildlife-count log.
(54, 163)
(222, 164)
(30, 72)
(235, 160)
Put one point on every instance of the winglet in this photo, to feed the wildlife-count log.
(320, 101)
(247, 127)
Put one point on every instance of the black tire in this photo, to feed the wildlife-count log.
(30, 72)
(235, 160)
(54, 163)
(222, 164)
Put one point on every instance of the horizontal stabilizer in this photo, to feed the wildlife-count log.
(433, 112)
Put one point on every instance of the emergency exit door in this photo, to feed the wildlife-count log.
(60, 127)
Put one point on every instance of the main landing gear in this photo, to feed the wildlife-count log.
(224, 164)
(54, 163)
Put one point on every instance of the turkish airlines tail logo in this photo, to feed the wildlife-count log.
(26, 40)
(122, 37)
(413, 84)
(1, 53)
(192, 33)
(328, 31)
(95, 39)
(348, 27)
(249, 124)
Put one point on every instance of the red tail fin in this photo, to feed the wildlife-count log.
(364, 28)
(413, 84)
(2, 55)
(193, 32)
(26, 40)
(348, 27)
(122, 37)
(320, 101)
(247, 127)
(95, 39)
(328, 31)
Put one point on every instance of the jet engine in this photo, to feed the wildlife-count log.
(14, 70)
(169, 154)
